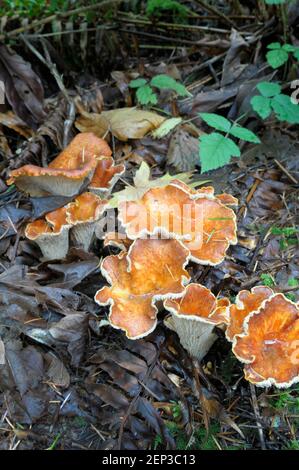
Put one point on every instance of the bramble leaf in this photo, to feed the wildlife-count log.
(244, 134)
(146, 95)
(166, 82)
(216, 121)
(268, 89)
(138, 82)
(284, 109)
(216, 151)
(276, 58)
(261, 105)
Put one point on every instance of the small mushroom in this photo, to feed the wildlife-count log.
(269, 343)
(83, 214)
(194, 317)
(105, 176)
(206, 226)
(66, 174)
(50, 234)
(152, 270)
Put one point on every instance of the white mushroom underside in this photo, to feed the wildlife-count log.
(38, 186)
(82, 234)
(54, 246)
(195, 336)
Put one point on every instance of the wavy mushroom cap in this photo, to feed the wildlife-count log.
(246, 302)
(66, 173)
(82, 144)
(106, 174)
(269, 344)
(85, 208)
(198, 303)
(53, 223)
(199, 218)
(118, 240)
(152, 270)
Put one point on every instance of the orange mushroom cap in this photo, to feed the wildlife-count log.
(53, 223)
(246, 302)
(66, 173)
(118, 240)
(106, 174)
(85, 208)
(199, 303)
(152, 270)
(269, 343)
(199, 218)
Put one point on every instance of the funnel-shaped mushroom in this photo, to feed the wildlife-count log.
(246, 302)
(199, 218)
(105, 176)
(194, 317)
(50, 234)
(152, 270)
(66, 174)
(82, 215)
(269, 344)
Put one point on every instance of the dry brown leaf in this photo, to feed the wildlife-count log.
(123, 123)
(10, 120)
(183, 151)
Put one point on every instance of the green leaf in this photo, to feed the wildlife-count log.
(261, 106)
(268, 89)
(216, 121)
(275, 2)
(138, 82)
(146, 95)
(277, 58)
(166, 82)
(244, 134)
(284, 109)
(296, 53)
(216, 151)
(288, 48)
(274, 45)
(167, 126)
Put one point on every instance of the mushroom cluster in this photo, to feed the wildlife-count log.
(86, 163)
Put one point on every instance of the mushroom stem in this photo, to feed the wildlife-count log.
(54, 246)
(195, 336)
(82, 234)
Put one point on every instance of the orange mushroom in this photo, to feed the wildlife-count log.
(118, 240)
(246, 302)
(152, 270)
(199, 218)
(194, 317)
(269, 344)
(83, 214)
(66, 174)
(105, 176)
(50, 234)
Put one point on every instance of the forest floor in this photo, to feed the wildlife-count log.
(70, 381)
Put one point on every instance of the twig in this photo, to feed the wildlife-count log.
(257, 416)
(212, 9)
(291, 177)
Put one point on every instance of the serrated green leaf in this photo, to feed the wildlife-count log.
(275, 2)
(288, 48)
(244, 134)
(274, 45)
(138, 82)
(166, 127)
(146, 95)
(166, 82)
(216, 150)
(268, 89)
(216, 121)
(277, 58)
(296, 53)
(284, 109)
(261, 106)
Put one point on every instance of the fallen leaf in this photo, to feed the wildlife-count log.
(12, 121)
(183, 151)
(123, 123)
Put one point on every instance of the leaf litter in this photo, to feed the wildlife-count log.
(63, 371)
